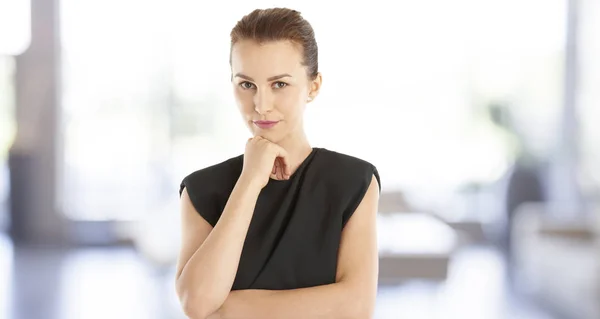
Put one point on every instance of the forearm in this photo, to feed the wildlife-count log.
(207, 278)
(328, 301)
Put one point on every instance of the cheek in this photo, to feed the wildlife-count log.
(290, 102)
(243, 101)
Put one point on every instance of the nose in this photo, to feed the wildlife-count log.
(263, 102)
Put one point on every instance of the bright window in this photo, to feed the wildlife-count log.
(589, 95)
(15, 26)
(406, 85)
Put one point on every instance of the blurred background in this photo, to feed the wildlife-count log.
(484, 125)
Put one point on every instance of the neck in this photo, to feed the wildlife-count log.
(297, 147)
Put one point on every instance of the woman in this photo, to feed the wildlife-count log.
(285, 230)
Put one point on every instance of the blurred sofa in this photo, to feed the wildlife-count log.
(557, 259)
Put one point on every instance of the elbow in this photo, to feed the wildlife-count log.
(196, 308)
(195, 305)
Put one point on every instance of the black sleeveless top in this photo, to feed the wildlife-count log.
(294, 235)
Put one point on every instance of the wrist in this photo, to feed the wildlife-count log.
(249, 183)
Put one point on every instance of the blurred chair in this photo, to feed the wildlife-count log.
(414, 246)
(557, 260)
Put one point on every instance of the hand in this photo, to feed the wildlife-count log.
(263, 158)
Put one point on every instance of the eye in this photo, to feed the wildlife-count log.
(246, 85)
(279, 85)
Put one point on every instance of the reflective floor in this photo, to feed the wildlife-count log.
(117, 283)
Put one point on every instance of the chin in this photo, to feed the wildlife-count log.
(272, 136)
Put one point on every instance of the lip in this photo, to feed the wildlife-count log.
(265, 124)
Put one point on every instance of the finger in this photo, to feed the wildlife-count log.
(282, 153)
(285, 172)
(285, 167)
(277, 168)
(281, 168)
(280, 172)
(274, 170)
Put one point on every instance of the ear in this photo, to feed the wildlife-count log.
(315, 87)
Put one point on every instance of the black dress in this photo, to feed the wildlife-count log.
(294, 236)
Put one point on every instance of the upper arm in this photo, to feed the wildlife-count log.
(358, 259)
(194, 230)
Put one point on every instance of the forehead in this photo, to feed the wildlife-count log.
(266, 59)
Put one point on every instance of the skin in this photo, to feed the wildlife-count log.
(209, 256)
(270, 83)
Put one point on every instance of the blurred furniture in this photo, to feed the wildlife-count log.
(393, 202)
(558, 260)
(413, 246)
(470, 229)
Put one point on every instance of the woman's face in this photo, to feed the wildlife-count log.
(271, 87)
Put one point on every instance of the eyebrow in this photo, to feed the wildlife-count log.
(273, 78)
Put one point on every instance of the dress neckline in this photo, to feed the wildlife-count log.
(299, 168)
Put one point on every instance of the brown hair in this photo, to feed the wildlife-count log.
(276, 24)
